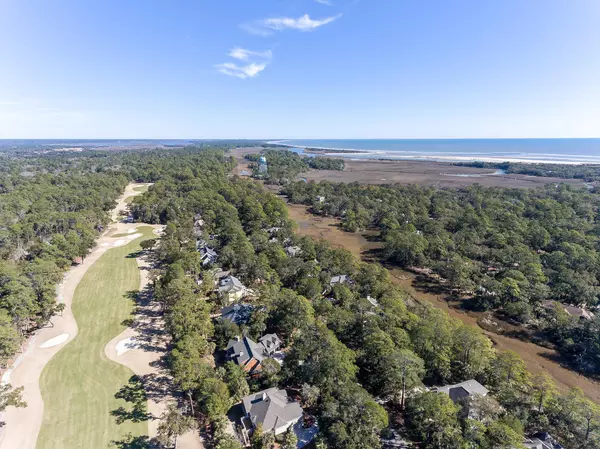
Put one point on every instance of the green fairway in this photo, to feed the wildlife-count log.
(79, 384)
(141, 189)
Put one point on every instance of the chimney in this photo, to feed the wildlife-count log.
(265, 397)
(241, 353)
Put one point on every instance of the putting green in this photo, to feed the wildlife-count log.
(79, 384)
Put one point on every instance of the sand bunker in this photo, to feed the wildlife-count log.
(55, 341)
(131, 231)
(125, 345)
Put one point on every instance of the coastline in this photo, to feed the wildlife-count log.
(448, 157)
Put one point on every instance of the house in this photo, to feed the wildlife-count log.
(271, 343)
(463, 390)
(575, 312)
(293, 251)
(231, 288)
(249, 355)
(339, 279)
(237, 313)
(208, 256)
(272, 409)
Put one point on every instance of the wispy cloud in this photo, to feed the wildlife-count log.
(305, 23)
(241, 71)
(324, 2)
(257, 62)
(244, 55)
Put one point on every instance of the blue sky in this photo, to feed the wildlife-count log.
(299, 68)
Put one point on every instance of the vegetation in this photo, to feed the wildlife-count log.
(284, 165)
(336, 340)
(80, 385)
(504, 249)
(355, 364)
(585, 172)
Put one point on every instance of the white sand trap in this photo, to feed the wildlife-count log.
(119, 242)
(6, 377)
(131, 231)
(134, 236)
(125, 345)
(55, 341)
(105, 244)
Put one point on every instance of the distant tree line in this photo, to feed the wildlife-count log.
(585, 172)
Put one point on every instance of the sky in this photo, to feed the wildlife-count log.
(169, 69)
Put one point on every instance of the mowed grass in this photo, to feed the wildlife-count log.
(79, 384)
(141, 189)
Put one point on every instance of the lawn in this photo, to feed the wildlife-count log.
(79, 384)
(141, 189)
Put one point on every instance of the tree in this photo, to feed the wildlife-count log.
(310, 395)
(472, 352)
(544, 389)
(499, 435)
(433, 419)
(235, 377)
(290, 440)
(214, 397)
(172, 425)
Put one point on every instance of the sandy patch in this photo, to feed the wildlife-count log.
(55, 341)
(125, 345)
(131, 231)
(119, 242)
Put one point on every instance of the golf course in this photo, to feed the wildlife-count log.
(79, 384)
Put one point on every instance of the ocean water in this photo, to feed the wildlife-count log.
(560, 151)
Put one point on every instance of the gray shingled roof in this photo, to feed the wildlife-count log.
(244, 349)
(237, 313)
(230, 284)
(271, 408)
(463, 389)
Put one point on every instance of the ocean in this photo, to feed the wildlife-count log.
(556, 151)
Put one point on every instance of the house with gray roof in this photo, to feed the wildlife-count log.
(339, 279)
(249, 355)
(208, 255)
(237, 313)
(463, 390)
(232, 288)
(272, 409)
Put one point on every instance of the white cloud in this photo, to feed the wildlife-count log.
(324, 2)
(304, 23)
(241, 71)
(256, 62)
(244, 55)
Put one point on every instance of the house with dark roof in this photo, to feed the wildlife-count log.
(249, 354)
(272, 409)
(463, 390)
(208, 255)
(231, 288)
(237, 313)
(463, 394)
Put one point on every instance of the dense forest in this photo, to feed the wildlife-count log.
(358, 353)
(283, 166)
(586, 172)
(508, 249)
